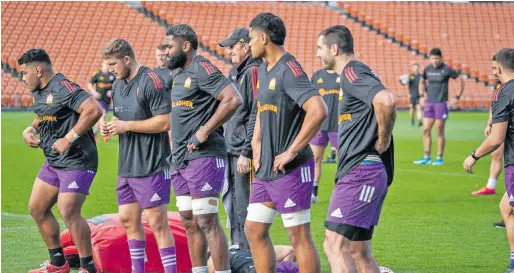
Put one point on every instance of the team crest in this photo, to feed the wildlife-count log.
(272, 84)
(340, 93)
(338, 80)
(241, 81)
(101, 78)
(49, 99)
(412, 77)
(187, 84)
(258, 83)
(319, 81)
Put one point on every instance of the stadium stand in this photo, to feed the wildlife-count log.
(75, 50)
(467, 33)
(14, 92)
(72, 41)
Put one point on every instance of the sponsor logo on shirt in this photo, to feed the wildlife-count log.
(49, 99)
(104, 85)
(343, 117)
(320, 81)
(272, 84)
(187, 83)
(266, 107)
(184, 103)
(323, 92)
(46, 118)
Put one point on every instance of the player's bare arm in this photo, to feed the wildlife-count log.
(384, 104)
(29, 135)
(487, 130)
(156, 124)
(90, 112)
(490, 144)
(229, 99)
(316, 111)
(256, 143)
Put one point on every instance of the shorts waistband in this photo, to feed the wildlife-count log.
(371, 160)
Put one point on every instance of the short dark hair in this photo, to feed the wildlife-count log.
(184, 32)
(35, 55)
(494, 58)
(415, 63)
(272, 25)
(436, 52)
(118, 48)
(505, 57)
(161, 47)
(340, 36)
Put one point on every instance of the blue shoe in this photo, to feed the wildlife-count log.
(438, 162)
(423, 161)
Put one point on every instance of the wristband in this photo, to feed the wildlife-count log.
(31, 129)
(474, 156)
(194, 140)
(74, 137)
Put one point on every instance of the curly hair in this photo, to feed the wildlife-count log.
(184, 32)
(35, 55)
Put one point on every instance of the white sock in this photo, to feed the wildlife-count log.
(491, 183)
(224, 271)
(201, 269)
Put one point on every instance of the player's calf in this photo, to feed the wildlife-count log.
(336, 247)
(300, 237)
(363, 257)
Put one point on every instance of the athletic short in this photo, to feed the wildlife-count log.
(509, 183)
(436, 110)
(201, 178)
(76, 181)
(289, 193)
(150, 191)
(104, 105)
(414, 101)
(357, 200)
(322, 138)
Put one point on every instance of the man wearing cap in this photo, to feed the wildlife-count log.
(239, 133)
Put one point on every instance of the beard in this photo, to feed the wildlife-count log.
(177, 61)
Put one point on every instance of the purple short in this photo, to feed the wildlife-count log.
(104, 105)
(287, 267)
(358, 196)
(289, 193)
(150, 191)
(78, 181)
(509, 183)
(436, 110)
(202, 177)
(322, 137)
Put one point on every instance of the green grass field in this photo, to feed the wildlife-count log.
(430, 221)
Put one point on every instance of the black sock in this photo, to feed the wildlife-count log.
(88, 264)
(333, 154)
(57, 256)
(315, 190)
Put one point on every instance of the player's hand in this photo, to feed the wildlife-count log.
(256, 153)
(382, 145)
(199, 138)
(487, 130)
(103, 129)
(116, 127)
(468, 164)
(453, 103)
(31, 139)
(281, 161)
(97, 95)
(109, 94)
(61, 145)
(243, 164)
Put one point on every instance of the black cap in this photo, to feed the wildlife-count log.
(238, 35)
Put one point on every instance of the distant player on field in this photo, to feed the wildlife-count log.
(436, 78)
(65, 114)
(100, 86)
(501, 132)
(327, 83)
(162, 66)
(367, 113)
(289, 113)
(497, 155)
(412, 81)
(141, 119)
(203, 100)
